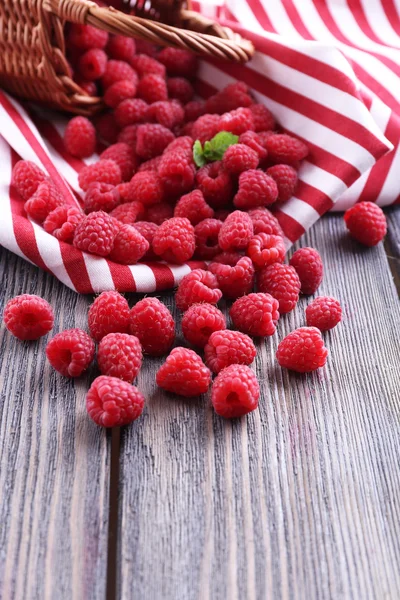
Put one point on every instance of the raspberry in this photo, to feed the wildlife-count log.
(265, 249)
(324, 313)
(309, 267)
(216, 184)
(70, 352)
(226, 348)
(181, 63)
(194, 109)
(146, 64)
(302, 350)
(206, 234)
(85, 37)
(118, 70)
(152, 323)
(255, 314)
(239, 158)
(366, 223)
(131, 111)
(264, 136)
(183, 143)
(80, 137)
(253, 141)
(193, 207)
(146, 187)
(205, 127)
(265, 222)
(222, 214)
(184, 374)
(283, 283)
(152, 139)
(128, 136)
(256, 188)
(92, 64)
(197, 286)
(111, 402)
(152, 88)
(109, 313)
(145, 47)
(119, 91)
(237, 121)
(234, 280)
(43, 202)
(101, 196)
(121, 154)
(62, 222)
(150, 165)
(104, 171)
(285, 178)
(121, 47)
(129, 246)
(177, 173)
(228, 258)
(285, 149)
(89, 87)
(96, 233)
(262, 117)
(180, 88)
(235, 392)
(231, 97)
(128, 213)
(236, 231)
(200, 321)
(107, 128)
(166, 113)
(120, 355)
(124, 190)
(28, 317)
(147, 230)
(158, 213)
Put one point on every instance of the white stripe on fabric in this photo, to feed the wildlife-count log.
(391, 186)
(379, 22)
(353, 193)
(380, 112)
(327, 183)
(49, 249)
(300, 211)
(179, 272)
(98, 272)
(145, 280)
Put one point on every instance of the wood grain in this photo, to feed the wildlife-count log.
(300, 499)
(54, 474)
(392, 244)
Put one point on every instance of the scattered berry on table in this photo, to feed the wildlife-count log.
(226, 348)
(184, 373)
(70, 352)
(262, 117)
(128, 213)
(216, 184)
(231, 97)
(235, 392)
(152, 323)
(120, 355)
(96, 233)
(104, 171)
(177, 173)
(92, 64)
(150, 165)
(197, 286)
(80, 137)
(180, 63)
(129, 246)
(121, 153)
(167, 113)
(234, 280)
(43, 201)
(152, 139)
(200, 321)
(147, 230)
(152, 88)
(118, 70)
(158, 213)
(26, 178)
(228, 258)
(238, 158)
(62, 222)
(146, 187)
(119, 91)
(324, 313)
(285, 149)
(366, 223)
(265, 249)
(237, 121)
(253, 141)
(285, 178)
(206, 234)
(236, 231)
(101, 196)
(85, 37)
(174, 240)
(205, 127)
(144, 65)
(28, 317)
(180, 88)
(283, 283)
(121, 47)
(193, 207)
(131, 112)
(109, 313)
(111, 402)
(309, 267)
(255, 314)
(265, 222)
(302, 350)
(256, 188)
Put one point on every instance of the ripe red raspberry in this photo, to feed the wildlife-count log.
(121, 47)
(302, 350)
(144, 65)
(121, 154)
(216, 184)
(120, 355)
(109, 313)
(194, 110)
(104, 171)
(92, 64)
(324, 313)
(85, 37)
(129, 246)
(26, 178)
(118, 70)
(182, 143)
(118, 92)
(107, 128)
(128, 136)
(158, 213)
(150, 165)
(152, 139)
(262, 118)
(111, 402)
(236, 231)
(283, 283)
(96, 233)
(80, 137)
(101, 196)
(265, 249)
(146, 187)
(206, 234)
(231, 97)
(205, 127)
(43, 202)
(228, 258)
(184, 373)
(28, 317)
(180, 88)
(234, 280)
(283, 148)
(237, 121)
(265, 222)
(256, 188)
(145, 47)
(226, 348)
(90, 87)
(62, 222)
(147, 230)
(285, 177)
(253, 141)
(166, 113)
(70, 352)
(235, 392)
(200, 321)
(197, 286)
(309, 267)
(193, 207)
(174, 241)
(177, 173)
(181, 63)
(366, 223)
(152, 88)
(128, 213)
(239, 158)
(255, 314)
(152, 323)
(131, 112)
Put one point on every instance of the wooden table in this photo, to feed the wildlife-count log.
(299, 500)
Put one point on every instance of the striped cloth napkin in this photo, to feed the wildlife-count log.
(330, 72)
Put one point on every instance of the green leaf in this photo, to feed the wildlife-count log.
(208, 151)
(198, 154)
(221, 142)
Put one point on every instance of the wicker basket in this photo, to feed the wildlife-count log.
(32, 59)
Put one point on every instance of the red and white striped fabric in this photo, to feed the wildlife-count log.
(340, 93)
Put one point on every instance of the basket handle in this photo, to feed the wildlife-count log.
(204, 36)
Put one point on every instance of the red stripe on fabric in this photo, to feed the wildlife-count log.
(332, 164)
(294, 16)
(357, 10)
(122, 277)
(370, 82)
(261, 15)
(366, 98)
(392, 15)
(314, 197)
(197, 264)
(75, 266)
(163, 276)
(290, 227)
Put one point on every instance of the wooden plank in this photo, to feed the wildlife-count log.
(54, 474)
(392, 243)
(300, 499)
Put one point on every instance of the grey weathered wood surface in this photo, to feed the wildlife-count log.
(300, 499)
(54, 462)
